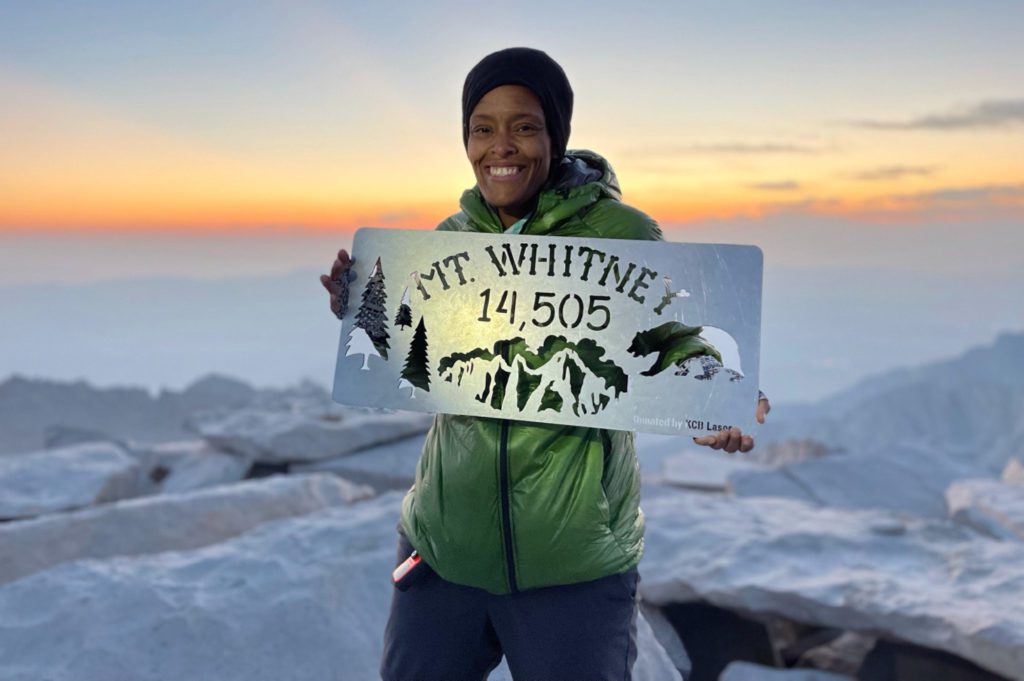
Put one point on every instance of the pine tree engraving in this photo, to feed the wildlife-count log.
(360, 344)
(417, 367)
(372, 315)
(404, 316)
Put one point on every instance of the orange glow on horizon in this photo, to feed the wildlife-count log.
(72, 164)
(154, 216)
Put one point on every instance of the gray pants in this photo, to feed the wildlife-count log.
(440, 631)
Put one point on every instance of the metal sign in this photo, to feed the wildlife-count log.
(627, 335)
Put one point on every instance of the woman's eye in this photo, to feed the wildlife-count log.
(480, 130)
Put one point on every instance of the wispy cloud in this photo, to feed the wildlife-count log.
(939, 205)
(958, 195)
(748, 148)
(399, 216)
(996, 113)
(781, 186)
(894, 173)
(721, 149)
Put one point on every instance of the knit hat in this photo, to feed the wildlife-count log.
(532, 69)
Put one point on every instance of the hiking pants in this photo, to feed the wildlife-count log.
(440, 631)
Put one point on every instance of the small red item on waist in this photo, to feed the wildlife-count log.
(406, 567)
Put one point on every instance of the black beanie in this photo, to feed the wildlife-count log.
(532, 69)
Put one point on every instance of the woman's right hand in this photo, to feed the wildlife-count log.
(337, 283)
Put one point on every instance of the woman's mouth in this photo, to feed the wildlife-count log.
(503, 171)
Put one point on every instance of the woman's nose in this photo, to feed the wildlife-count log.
(503, 145)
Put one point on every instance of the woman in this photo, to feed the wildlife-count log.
(532, 531)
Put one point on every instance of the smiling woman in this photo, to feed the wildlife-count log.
(522, 539)
(510, 150)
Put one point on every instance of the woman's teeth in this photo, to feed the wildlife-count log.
(503, 171)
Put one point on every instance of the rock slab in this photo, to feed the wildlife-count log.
(299, 599)
(270, 436)
(390, 466)
(905, 479)
(166, 522)
(187, 465)
(932, 583)
(1013, 472)
(66, 478)
(745, 671)
(704, 471)
(992, 507)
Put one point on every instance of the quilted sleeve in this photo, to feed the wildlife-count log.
(612, 219)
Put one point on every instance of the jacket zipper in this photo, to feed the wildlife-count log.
(506, 510)
(506, 502)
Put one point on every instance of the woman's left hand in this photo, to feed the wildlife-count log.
(733, 440)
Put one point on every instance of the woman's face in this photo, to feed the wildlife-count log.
(509, 149)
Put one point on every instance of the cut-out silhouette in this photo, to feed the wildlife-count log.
(372, 315)
(552, 399)
(404, 316)
(360, 344)
(526, 385)
(669, 295)
(674, 342)
(705, 367)
(572, 373)
(416, 371)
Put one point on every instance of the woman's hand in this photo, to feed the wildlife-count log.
(337, 283)
(733, 440)
(763, 407)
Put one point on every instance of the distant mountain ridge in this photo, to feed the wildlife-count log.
(1001, 363)
(275, 329)
(970, 407)
(168, 331)
(30, 407)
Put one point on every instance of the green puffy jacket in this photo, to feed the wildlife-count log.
(510, 505)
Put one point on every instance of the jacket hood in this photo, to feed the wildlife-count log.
(580, 179)
(579, 167)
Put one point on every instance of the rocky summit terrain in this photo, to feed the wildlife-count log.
(225, 532)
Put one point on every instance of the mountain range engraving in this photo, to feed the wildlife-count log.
(559, 373)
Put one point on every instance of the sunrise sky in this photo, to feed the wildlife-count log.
(219, 117)
(874, 150)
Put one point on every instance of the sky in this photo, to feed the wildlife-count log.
(224, 139)
(233, 116)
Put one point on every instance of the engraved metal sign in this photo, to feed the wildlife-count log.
(627, 335)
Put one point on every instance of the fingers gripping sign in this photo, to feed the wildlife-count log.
(732, 439)
(337, 283)
(763, 407)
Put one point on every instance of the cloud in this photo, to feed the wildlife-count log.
(723, 148)
(399, 216)
(894, 173)
(747, 148)
(1001, 193)
(784, 185)
(939, 205)
(996, 113)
